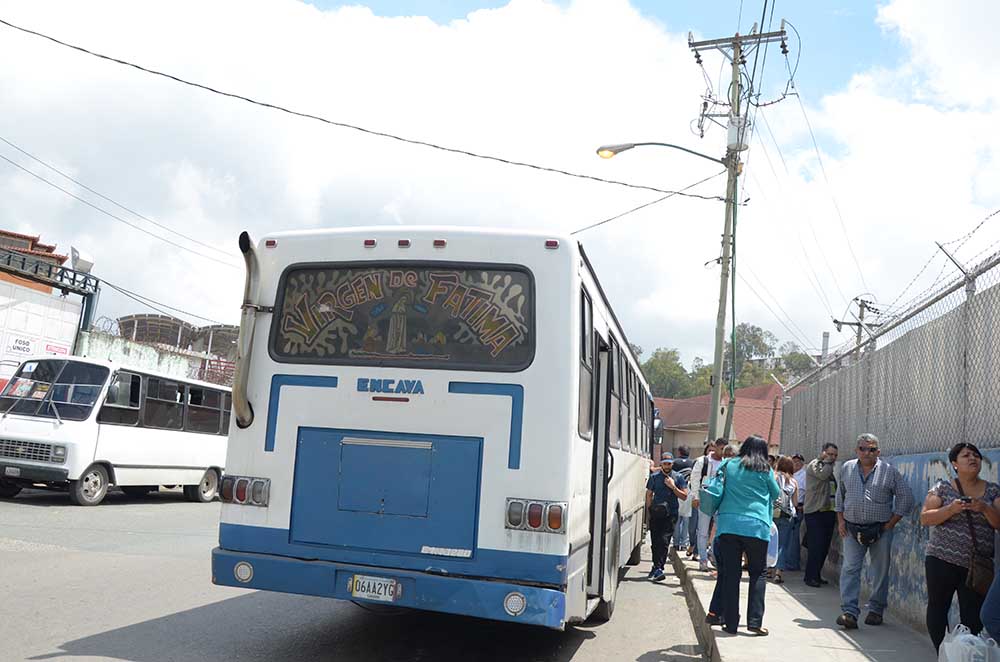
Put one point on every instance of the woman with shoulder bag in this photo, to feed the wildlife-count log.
(784, 512)
(962, 515)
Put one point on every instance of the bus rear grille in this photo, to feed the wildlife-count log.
(26, 450)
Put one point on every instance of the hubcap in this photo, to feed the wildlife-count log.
(92, 485)
(209, 484)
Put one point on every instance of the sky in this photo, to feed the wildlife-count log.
(884, 143)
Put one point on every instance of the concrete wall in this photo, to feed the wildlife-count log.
(908, 588)
(136, 355)
(693, 439)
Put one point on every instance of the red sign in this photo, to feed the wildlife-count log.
(55, 349)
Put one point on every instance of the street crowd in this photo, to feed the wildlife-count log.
(737, 508)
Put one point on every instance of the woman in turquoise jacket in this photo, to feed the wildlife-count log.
(743, 524)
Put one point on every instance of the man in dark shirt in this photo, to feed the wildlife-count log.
(662, 493)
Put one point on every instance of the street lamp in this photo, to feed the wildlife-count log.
(608, 151)
(732, 164)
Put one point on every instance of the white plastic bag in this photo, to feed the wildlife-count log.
(772, 547)
(960, 645)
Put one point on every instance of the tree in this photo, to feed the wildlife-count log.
(700, 377)
(667, 377)
(753, 346)
(794, 362)
(636, 349)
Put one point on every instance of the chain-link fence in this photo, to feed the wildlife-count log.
(921, 382)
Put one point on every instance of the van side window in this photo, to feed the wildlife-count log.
(204, 410)
(121, 406)
(585, 423)
(164, 404)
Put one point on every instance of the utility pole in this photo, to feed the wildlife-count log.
(733, 49)
(863, 305)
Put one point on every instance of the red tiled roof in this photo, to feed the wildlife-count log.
(18, 235)
(751, 415)
(28, 251)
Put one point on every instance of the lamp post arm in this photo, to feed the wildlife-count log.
(684, 149)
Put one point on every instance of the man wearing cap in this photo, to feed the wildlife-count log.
(664, 491)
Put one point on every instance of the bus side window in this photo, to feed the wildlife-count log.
(164, 404)
(203, 410)
(614, 430)
(121, 406)
(585, 423)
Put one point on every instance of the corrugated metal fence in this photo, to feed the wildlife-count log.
(922, 382)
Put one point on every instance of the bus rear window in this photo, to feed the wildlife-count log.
(440, 315)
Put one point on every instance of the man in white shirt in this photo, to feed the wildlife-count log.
(793, 560)
(705, 467)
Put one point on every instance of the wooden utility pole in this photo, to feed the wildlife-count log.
(733, 49)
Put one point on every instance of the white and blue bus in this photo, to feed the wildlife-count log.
(446, 419)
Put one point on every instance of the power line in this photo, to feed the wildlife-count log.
(115, 217)
(829, 187)
(648, 204)
(802, 336)
(145, 301)
(771, 310)
(353, 127)
(117, 204)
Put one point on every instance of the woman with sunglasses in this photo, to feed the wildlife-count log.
(962, 514)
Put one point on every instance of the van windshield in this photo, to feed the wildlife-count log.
(53, 388)
(434, 315)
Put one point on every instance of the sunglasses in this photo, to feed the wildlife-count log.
(870, 449)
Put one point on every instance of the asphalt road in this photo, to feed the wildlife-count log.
(130, 580)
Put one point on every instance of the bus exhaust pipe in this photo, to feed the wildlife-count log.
(242, 408)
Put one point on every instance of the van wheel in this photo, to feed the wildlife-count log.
(91, 488)
(8, 490)
(204, 491)
(137, 491)
(606, 608)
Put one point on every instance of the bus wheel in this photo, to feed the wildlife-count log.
(137, 491)
(91, 488)
(8, 490)
(607, 607)
(204, 491)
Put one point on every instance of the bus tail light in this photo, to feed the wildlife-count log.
(227, 489)
(241, 490)
(515, 514)
(535, 515)
(555, 517)
(246, 491)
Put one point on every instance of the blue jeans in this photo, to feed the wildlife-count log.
(693, 529)
(681, 532)
(785, 543)
(793, 557)
(990, 613)
(879, 556)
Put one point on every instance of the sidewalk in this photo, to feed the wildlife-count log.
(801, 622)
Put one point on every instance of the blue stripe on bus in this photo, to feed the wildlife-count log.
(455, 595)
(516, 394)
(493, 563)
(277, 381)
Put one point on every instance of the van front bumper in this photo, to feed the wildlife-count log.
(31, 473)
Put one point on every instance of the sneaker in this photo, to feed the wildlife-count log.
(703, 566)
(813, 583)
(873, 619)
(650, 574)
(848, 621)
(658, 575)
(689, 552)
(823, 582)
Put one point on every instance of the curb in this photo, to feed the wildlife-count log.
(706, 637)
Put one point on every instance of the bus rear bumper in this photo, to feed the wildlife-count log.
(417, 590)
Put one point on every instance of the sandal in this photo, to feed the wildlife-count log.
(760, 632)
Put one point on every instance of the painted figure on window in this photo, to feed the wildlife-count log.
(396, 343)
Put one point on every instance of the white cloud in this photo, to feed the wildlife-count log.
(532, 81)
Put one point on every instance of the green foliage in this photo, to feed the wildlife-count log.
(757, 355)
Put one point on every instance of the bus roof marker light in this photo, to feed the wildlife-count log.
(515, 603)
(551, 244)
(440, 243)
(370, 243)
(270, 243)
(404, 243)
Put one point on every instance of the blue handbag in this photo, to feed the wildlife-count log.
(712, 490)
